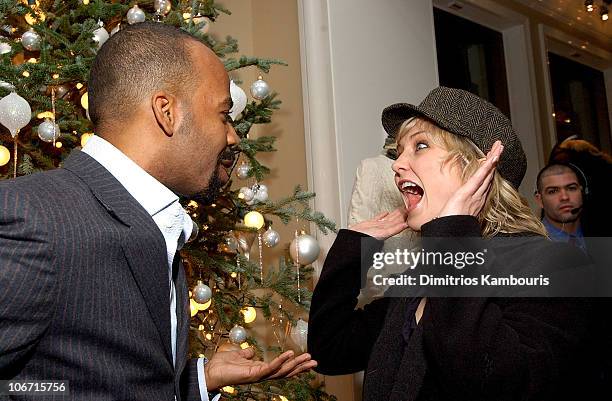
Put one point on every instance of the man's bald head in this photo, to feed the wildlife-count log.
(135, 62)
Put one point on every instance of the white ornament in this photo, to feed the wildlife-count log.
(237, 335)
(271, 238)
(31, 40)
(202, 293)
(115, 29)
(199, 19)
(162, 7)
(243, 170)
(15, 113)
(5, 48)
(135, 15)
(260, 89)
(247, 194)
(304, 249)
(299, 334)
(100, 35)
(47, 131)
(239, 98)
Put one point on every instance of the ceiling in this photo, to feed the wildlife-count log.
(574, 14)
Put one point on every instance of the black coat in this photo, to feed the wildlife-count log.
(463, 348)
(84, 289)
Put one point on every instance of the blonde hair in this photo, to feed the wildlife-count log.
(505, 210)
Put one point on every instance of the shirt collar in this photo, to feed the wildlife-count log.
(554, 231)
(151, 194)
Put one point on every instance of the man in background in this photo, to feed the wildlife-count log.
(560, 195)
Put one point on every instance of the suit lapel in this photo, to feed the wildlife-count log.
(142, 242)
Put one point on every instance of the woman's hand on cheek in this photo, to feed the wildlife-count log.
(384, 225)
(471, 196)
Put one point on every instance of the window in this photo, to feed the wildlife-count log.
(579, 101)
(471, 57)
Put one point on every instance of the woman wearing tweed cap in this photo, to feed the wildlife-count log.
(458, 167)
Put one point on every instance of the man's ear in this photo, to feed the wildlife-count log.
(538, 199)
(166, 111)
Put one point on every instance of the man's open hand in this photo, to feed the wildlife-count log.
(237, 367)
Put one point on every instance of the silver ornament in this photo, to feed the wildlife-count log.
(202, 293)
(31, 40)
(7, 86)
(304, 249)
(271, 238)
(15, 112)
(239, 100)
(205, 21)
(261, 192)
(232, 243)
(243, 170)
(260, 89)
(299, 334)
(261, 196)
(162, 7)
(47, 131)
(135, 15)
(100, 36)
(245, 240)
(237, 335)
(261, 187)
(247, 194)
(5, 48)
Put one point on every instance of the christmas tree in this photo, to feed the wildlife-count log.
(46, 50)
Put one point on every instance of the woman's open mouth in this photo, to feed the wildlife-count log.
(411, 192)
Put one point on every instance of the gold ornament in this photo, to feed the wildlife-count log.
(85, 101)
(249, 314)
(229, 389)
(203, 306)
(85, 137)
(5, 155)
(254, 220)
(193, 307)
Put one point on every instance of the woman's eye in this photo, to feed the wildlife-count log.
(420, 145)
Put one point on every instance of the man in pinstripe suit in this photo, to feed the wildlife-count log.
(92, 290)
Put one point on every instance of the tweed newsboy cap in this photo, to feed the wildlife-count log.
(465, 114)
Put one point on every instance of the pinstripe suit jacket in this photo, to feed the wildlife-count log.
(84, 289)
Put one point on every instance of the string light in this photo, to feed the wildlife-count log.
(588, 4)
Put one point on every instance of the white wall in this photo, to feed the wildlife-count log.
(381, 53)
(375, 54)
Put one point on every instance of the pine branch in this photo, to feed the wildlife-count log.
(262, 64)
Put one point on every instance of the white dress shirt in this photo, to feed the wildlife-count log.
(167, 213)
